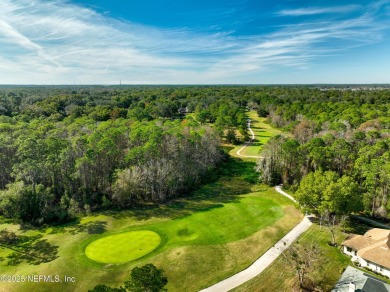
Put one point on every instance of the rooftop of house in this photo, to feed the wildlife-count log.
(373, 246)
(361, 281)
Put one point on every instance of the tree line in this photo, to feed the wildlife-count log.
(337, 157)
(71, 149)
(53, 170)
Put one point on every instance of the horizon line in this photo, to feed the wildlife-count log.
(188, 84)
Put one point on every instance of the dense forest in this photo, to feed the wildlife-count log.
(67, 150)
(337, 156)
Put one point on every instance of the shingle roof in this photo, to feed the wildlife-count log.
(362, 281)
(372, 246)
(372, 285)
(379, 255)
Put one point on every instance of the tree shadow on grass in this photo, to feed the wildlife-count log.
(351, 225)
(223, 185)
(93, 227)
(173, 210)
(220, 186)
(73, 227)
(356, 227)
(256, 141)
(30, 249)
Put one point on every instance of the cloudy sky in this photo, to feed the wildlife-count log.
(194, 41)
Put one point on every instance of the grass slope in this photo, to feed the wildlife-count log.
(278, 276)
(221, 224)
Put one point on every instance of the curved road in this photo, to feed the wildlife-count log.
(247, 143)
(266, 259)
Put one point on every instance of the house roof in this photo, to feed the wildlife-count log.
(373, 285)
(379, 255)
(377, 233)
(372, 246)
(370, 238)
(362, 281)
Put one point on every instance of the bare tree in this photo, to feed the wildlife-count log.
(304, 131)
(330, 221)
(302, 259)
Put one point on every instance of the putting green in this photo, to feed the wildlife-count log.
(123, 247)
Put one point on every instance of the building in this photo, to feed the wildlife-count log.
(354, 280)
(371, 250)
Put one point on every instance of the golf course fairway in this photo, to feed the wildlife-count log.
(123, 247)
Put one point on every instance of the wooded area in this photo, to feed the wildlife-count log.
(337, 157)
(66, 150)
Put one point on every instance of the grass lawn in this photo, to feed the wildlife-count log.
(217, 231)
(279, 277)
(123, 247)
(263, 132)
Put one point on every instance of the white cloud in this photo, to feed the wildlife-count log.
(318, 10)
(56, 42)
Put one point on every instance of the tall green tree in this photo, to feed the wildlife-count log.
(329, 197)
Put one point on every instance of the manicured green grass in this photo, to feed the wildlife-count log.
(123, 247)
(263, 132)
(221, 223)
(196, 250)
(217, 231)
(216, 224)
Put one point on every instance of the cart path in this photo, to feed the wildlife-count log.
(280, 191)
(266, 259)
(248, 143)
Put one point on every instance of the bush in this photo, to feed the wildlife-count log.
(142, 279)
(146, 278)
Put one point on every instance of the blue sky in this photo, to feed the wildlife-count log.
(194, 42)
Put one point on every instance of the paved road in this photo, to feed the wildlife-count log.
(247, 143)
(280, 191)
(250, 130)
(266, 259)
